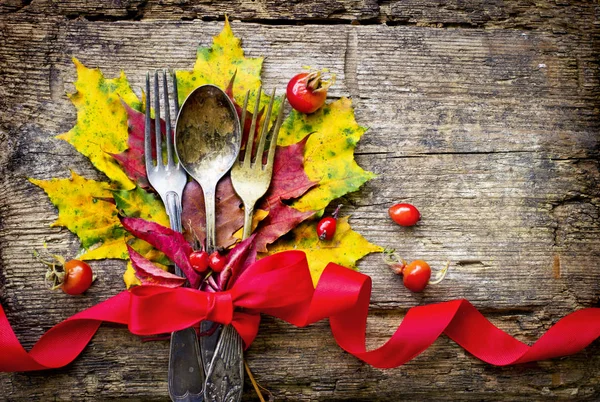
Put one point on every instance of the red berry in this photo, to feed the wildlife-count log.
(217, 261)
(326, 228)
(199, 261)
(416, 275)
(404, 214)
(78, 277)
(307, 92)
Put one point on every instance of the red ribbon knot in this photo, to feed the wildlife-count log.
(220, 307)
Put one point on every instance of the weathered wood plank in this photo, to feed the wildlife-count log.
(579, 17)
(493, 134)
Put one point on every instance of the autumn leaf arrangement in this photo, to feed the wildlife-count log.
(122, 218)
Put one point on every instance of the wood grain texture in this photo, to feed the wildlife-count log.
(558, 16)
(493, 133)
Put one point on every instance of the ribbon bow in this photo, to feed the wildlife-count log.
(281, 286)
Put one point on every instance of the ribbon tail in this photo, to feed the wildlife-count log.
(344, 296)
(63, 342)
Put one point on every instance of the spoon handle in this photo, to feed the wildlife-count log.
(209, 205)
(208, 343)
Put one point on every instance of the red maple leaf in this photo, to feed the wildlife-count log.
(132, 159)
(150, 274)
(170, 242)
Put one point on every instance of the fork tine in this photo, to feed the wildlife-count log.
(148, 130)
(273, 144)
(157, 130)
(175, 93)
(167, 120)
(243, 120)
(265, 129)
(250, 141)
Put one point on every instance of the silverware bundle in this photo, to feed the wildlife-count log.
(207, 143)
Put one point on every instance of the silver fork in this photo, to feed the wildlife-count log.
(186, 373)
(251, 181)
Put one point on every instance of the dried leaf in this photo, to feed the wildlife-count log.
(345, 249)
(82, 209)
(280, 220)
(172, 243)
(149, 274)
(101, 128)
(150, 253)
(329, 153)
(289, 178)
(132, 159)
(230, 215)
(109, 248)
(235, 264)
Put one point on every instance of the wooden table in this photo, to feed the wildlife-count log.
(484, 116)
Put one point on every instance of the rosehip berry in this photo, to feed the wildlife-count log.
(199, 261)
(404, 214)
(307, 92)
(217, 261)
(326, 226)
(416, 275)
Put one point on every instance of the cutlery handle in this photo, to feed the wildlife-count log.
(225, 377)
(248, 212)
(209, 206)
(173, 207)
(186, 372)
(186, 375)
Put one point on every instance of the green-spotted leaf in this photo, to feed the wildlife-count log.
(138, 203)
(345, 249)
(101, 128)
(83, 208)
(329, 153)
(218, 63)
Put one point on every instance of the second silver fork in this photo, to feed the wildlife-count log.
(186, 372)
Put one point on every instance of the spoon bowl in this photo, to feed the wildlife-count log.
(207, 142)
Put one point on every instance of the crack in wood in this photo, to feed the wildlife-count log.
(351, 64)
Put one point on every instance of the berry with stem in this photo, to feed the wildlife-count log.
(326, 226)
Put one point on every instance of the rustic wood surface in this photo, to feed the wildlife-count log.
(486, 115)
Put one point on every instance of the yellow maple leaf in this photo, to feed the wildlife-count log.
(329, 152)
(101, 127)
(346, 247)
(83, 208)
(109, 248)
(217, 64)
(129, 276)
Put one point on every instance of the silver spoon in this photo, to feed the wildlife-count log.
(207, 141)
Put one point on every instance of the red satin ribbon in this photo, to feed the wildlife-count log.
(281, 286)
